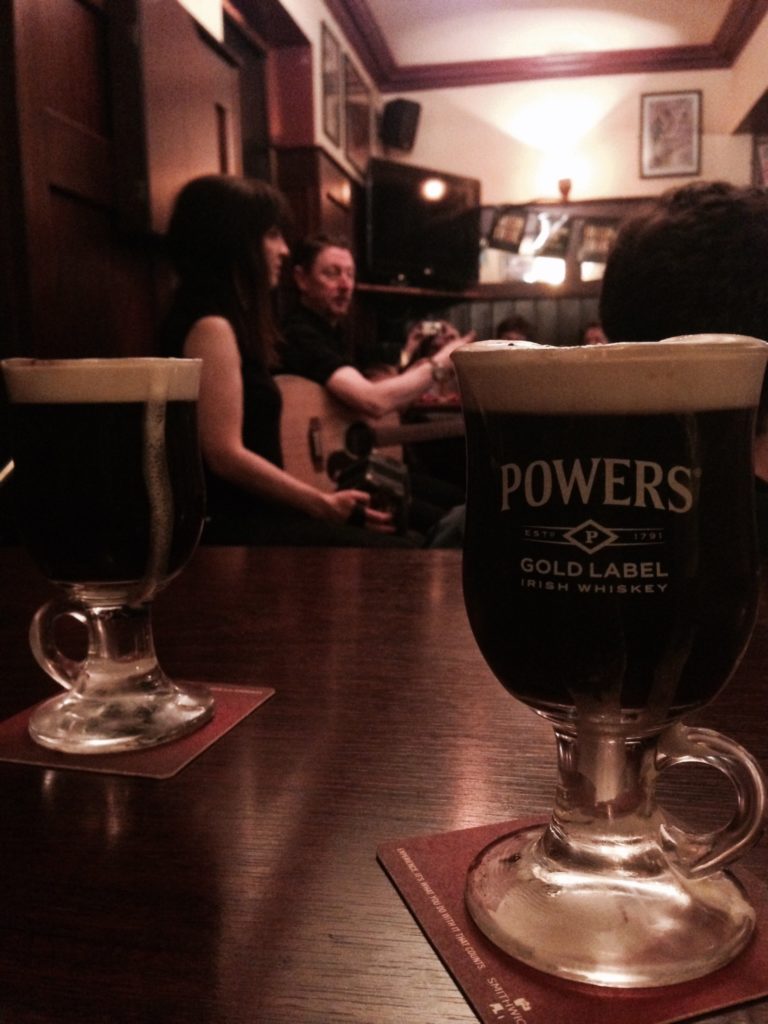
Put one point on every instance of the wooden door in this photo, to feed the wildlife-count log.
(78, 276)
(80, 294)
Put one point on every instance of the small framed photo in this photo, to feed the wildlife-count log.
(670, 134)
(357, 121)
(597, 238)
(331, 85)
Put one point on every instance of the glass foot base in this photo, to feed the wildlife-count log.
(613, 929)
(85, 725)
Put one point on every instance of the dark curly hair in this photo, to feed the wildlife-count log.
(306, 250)
(695, 261)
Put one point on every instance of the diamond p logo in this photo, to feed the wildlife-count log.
(590, 536)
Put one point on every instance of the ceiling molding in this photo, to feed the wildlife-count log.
(740, 21)
(356, 21)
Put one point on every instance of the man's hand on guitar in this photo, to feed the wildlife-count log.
(353, 507)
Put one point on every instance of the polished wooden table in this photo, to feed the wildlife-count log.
(246, 889)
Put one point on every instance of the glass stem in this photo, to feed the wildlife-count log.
(121, 658)
(605, 815)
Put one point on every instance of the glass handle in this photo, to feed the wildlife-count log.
(697, 855)
(42, 640)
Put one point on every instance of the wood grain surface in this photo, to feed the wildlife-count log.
(246, 889)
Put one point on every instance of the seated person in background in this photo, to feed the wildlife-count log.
(593, 334)
(443, 456)
(314, 347)
(225, 240)
(695, 262)
(514, 328)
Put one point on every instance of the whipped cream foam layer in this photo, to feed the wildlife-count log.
(696, 372)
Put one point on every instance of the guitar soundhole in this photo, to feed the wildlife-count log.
(359, 439)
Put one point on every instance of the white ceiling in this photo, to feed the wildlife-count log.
(447, 31)
(435, 44)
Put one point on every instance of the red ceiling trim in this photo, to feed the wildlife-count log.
(740, 21)
(568, 65)
(362, 31)
(357, 23)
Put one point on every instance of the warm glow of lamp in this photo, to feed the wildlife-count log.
(556, 122)
(433, 189)
(563, 172)
(556, 125)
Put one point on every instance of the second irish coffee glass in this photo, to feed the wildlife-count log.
(611, 581)
(108, 484)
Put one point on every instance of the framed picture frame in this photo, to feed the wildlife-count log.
(597, 237)
(670, 134)
(357, 117)
(331, 84)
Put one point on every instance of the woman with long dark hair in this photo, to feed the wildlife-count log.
(225, 240)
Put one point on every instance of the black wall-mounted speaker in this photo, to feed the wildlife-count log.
(399, 121)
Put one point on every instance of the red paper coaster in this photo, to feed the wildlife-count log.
(232, 705)
(429, 873)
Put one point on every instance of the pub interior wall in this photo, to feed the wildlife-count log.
(496, 135)
(592, 125)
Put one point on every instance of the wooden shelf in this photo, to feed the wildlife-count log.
(483, 292)
(408, 291)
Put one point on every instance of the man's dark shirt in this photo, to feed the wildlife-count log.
(315, 349)
(312, 346)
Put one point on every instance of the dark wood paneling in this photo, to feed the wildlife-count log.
(81, 291)
(269, 21)
(322, 195)
(86, 122)
(79, 161)
(13, 323)
(252, 57)
(101, 291)
(177, 108)
(290, 91)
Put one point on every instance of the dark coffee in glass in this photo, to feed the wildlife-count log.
(109, 491)
(608, 541)
(97, 452)
(611, 579)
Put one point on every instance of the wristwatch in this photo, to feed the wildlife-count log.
(440, 374)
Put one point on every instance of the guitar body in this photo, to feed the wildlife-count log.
(314, 428)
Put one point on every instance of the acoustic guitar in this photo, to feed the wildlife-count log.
(321, 436)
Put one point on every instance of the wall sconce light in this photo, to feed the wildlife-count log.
(433, 189)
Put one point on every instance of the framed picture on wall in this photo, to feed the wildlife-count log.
(357, 117)
(670, 134)
(331, 81)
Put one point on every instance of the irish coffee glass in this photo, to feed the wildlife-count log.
(610, 579)
(110, 499)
